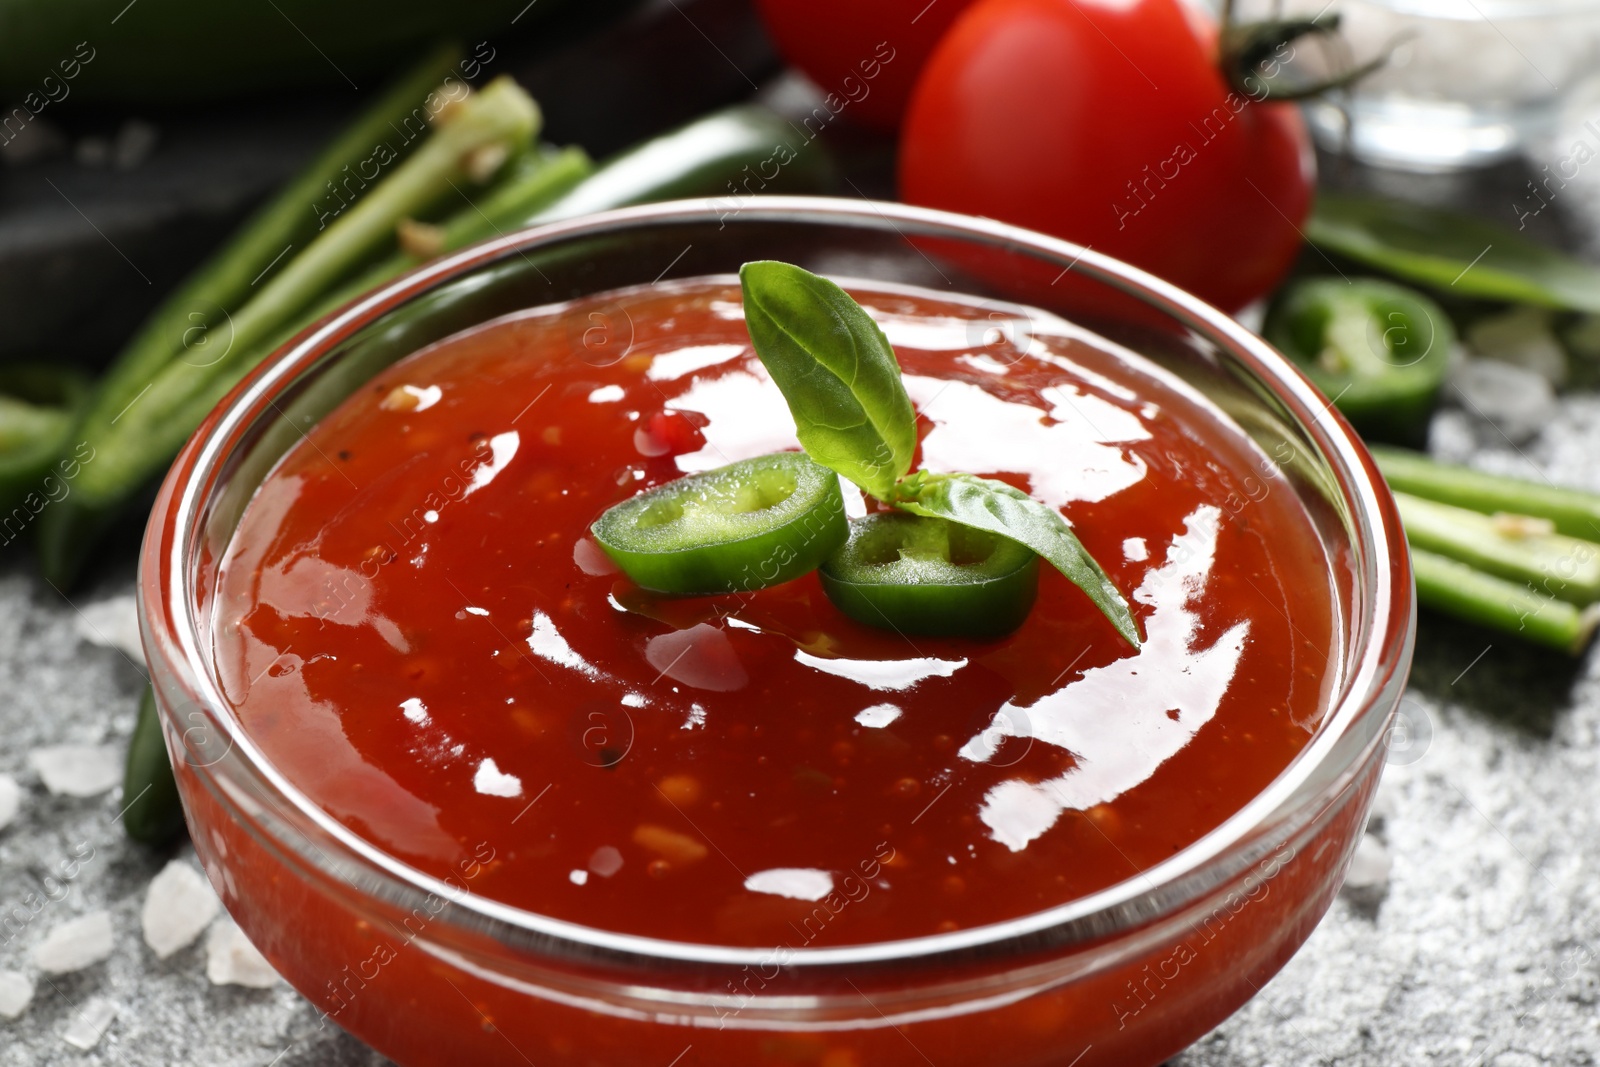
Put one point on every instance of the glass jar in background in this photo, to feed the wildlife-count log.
(1467, 82)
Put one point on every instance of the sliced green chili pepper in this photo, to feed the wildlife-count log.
(1454, 588)
(154, 814)
(737, 528)
(930, 576)
(1456, 254)
(1379, 350)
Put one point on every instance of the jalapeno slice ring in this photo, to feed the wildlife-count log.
(738, 528)
(1378, 350)
(931, 577)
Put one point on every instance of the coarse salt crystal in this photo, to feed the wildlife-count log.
(1369, 867)
(1515, 401)
(112, 623)
(232, 960)
(75, 944)
(1523, 338)
(89, 1025)
(77, 770)
(178, 906)
(10, 799)
(16, 993)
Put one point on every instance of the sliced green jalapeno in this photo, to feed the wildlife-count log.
(1379, 351)
(737, 528)
(930, 576)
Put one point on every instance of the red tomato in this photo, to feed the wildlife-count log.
(865, 52)
(1109, 123)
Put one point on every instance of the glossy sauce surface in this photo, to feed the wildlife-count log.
(416, 628)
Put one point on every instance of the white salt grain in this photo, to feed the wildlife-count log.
(10, 799)
(1369, 867)
(16, 993)
(178, 906)
(75, 944)
(1514, 400)
(232, 960)
(1523, 338)
(77, 770)
(112, 623)
(89, 1025)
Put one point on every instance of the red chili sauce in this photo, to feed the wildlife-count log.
(416, 628)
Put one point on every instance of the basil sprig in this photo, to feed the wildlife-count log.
(836, 370)
(840, 378)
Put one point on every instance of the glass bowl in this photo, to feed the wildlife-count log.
(429, 972)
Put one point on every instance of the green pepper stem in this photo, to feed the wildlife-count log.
(146, 433)
(286, 221)
(540, 178)
(1572, 511)
(1456, 589)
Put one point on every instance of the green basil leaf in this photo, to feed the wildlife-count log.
(1456, 254)
(986, 504)
(836, 370)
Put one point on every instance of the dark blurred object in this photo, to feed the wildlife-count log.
(90, 241)
(145, 51)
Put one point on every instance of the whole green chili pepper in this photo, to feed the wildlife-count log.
(1456, 254)
(38, 405)
(153, 814)
(1454, 588)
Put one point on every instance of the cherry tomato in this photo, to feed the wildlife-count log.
(1109, 123)
(865, 52)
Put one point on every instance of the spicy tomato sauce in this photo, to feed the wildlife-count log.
(415, 627)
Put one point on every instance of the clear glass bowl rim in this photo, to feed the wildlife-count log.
(175, 643)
